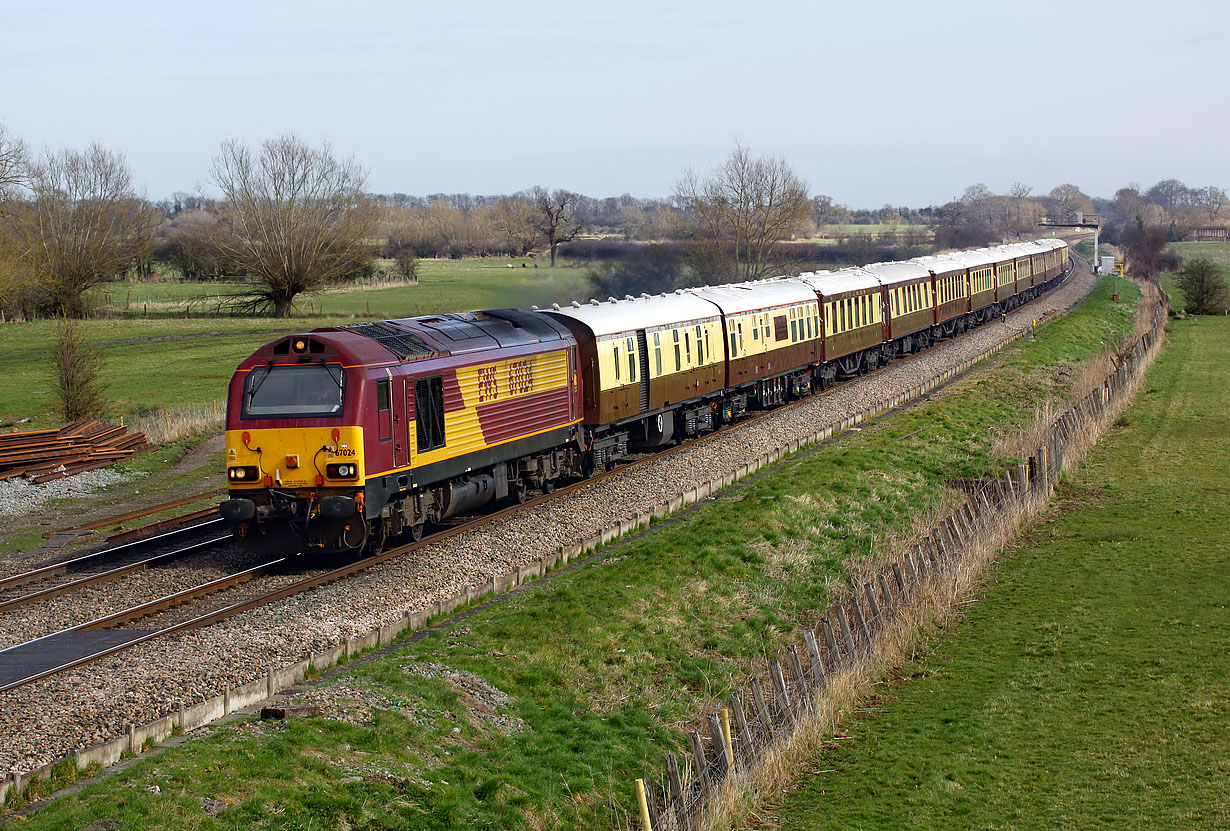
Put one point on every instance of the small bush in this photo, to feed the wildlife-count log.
(77, 368)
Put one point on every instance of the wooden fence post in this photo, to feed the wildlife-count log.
(873, 604)
(847, 638)
(651, 802)
(889, 600)
(803, 699)
(745, 734)
(676, 787)
(782, 695)
(698, 758)
(813, 654)
(900, 578)
(831, 642)
(762, 708)
(719, 745)
(859, 620)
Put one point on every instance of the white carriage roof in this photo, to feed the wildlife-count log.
(613, 318)
(737, 298)
(890, 274)
(940, 263)
(836, 282)
(975, 258)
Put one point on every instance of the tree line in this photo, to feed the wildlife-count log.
(288, 217)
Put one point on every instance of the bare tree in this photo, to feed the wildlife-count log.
(297, 216)
(516, 218)
(1211, 200)
(746, 205)
(1019, 193)
(83, 224)
(1068, 200)
(557, 219)
(13, 161)
(1168, 194)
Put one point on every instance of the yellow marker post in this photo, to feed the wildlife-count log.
(730, 749)
(643, 804)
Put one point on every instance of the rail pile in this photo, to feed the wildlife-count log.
(44, 455)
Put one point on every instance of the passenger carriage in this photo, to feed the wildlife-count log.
(911, 309)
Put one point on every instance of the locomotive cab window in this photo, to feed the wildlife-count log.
(301, 390)
(429, 412)
(382, 395)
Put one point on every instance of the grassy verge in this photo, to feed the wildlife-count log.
(539, 712)
(1088, 687)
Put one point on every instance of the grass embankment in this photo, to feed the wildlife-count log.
(168, 360)
(1087, 689)
(594, 675)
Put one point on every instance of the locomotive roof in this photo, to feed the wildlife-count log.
(645, 312)
(415, 338)
(891, 274)
(737, 298)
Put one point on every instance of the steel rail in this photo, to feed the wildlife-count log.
(56, 569)
(107, 576)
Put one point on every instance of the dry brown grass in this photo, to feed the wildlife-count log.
(171, 424)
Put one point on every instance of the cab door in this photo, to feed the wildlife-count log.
(400, 426)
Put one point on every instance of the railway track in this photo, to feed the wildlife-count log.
(96, 639)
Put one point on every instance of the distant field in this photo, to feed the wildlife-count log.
(1087, 688)
(165, 359)
(1217, 252)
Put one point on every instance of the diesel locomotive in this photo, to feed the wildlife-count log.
(343, 437)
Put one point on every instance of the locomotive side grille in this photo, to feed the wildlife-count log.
(401, 343)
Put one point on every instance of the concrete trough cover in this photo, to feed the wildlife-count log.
(24, 660)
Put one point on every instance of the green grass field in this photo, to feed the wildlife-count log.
(167, 359)
(604, 666)
(1088, 687)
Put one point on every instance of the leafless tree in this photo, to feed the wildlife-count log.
(824, 211)
(745, 205)
(1068, 200)
(1211, 200)
(13, 161)
(82, 225)
(297, 216)
(1019, 193)
(1169, 194)
(192, 242)
(516, 219)
(557, 216)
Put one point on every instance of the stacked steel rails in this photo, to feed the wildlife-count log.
(45, 455)
(79, 645)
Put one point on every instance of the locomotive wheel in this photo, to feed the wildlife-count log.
(416, 532)
(520, 493)
(548, 486)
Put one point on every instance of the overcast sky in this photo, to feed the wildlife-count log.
(874, 102)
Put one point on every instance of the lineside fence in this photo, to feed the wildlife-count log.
(688, 794)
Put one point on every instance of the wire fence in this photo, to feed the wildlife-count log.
(768, 712)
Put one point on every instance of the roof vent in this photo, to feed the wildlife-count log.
(555, 306)
(629, 297)
(611, 300)
(644, 296)
(679, 292)
(594, 302)
(533, 308)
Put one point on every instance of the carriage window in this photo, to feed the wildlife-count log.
(732, 345)
(617, 363)
(687, 347)
(706, 350)
(631, 360)
(429, 412)
(678, 363)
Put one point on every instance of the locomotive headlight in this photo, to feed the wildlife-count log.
(244, 474)
(343, 470)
